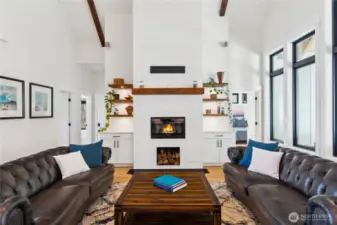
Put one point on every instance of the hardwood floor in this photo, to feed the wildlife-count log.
(215, 174)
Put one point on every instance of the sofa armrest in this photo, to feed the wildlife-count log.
(235, 154)
(16, 210)
(106, 155)
(322, 210)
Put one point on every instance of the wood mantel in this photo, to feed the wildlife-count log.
(168, 91)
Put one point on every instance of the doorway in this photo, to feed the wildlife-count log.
(86, 119)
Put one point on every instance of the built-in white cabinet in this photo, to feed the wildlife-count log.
(215, 145)
(121, 145)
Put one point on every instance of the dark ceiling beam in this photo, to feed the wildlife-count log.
(223, 7)
(97, 23)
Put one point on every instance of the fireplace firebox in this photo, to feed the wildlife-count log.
(167, 127)
(168, 156)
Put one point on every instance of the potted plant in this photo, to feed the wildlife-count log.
(215, 92)
(108, 99)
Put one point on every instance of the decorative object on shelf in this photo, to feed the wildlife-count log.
(222, 110)
(208, 111)
(129, 109)
(108, 99)
(116, 96)
(141, 84)
(244, 98)
(12, 98)
(119, 81)
(220, 77)
(218, 109)
(235, 99)
(116, 112)
(216, 89)
(195, 84)
(40, 101)
(129, 97)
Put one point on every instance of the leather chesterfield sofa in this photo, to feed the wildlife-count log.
(307, 187)
(32, 190)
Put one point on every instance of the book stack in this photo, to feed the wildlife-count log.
(169, 183)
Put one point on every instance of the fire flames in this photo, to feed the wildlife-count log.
(168, 129)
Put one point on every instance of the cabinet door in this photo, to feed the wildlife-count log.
(111, 143)
(125, 151)
(225, 143)
(211, 151)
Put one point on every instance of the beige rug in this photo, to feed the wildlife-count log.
(233, 211)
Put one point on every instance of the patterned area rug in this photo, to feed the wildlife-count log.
(233, 211)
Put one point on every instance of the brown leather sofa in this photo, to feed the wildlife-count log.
(32, 190)
(307, 186)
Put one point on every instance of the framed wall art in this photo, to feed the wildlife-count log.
(235, 98)
(40, 101)
(12, 98)
(244, 98)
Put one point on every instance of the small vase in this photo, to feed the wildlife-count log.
(220, 77)
(129, 110)
(213, 96)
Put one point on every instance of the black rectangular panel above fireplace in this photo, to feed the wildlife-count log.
(167, 69)
(167, 127)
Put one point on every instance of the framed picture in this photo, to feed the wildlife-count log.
(235, 98)
(12, 98)
(244, 98)
(40, 101)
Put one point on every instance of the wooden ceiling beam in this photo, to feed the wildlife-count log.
(223, 7)
(97, 23)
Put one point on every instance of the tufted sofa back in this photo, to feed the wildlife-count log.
(29, 175)
(309, 174)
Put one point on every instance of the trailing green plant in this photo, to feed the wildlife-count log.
(108, 99)
(230, 113)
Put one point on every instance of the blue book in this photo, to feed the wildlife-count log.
(168, 180)
(177, 185)
(170, 189)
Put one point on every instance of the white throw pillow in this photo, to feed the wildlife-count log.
(265, 162)
(71, 164)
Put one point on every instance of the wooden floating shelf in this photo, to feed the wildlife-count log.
(215, 100)
(215, 115)
(122, 101)
(121, 86)
(168, 91)
(121, 115)
(216, 85)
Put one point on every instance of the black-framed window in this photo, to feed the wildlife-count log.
(276, 96)
(304, 91)
(334, 69)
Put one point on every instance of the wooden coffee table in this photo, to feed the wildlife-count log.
(142, 203)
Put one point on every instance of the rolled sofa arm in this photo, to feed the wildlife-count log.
(322, 210)
(235, 154)
(16, 210)
(106, 155)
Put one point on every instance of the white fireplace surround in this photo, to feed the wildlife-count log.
(145, 148)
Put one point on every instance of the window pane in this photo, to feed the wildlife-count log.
(305, 106)
(278, 117)
(277, 61)
(305, 48)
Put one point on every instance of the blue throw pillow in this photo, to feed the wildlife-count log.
(92, 153)
(247, 158)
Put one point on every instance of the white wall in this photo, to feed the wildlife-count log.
(302, 17)
(167, 33)
(40, 50)
(118, 57)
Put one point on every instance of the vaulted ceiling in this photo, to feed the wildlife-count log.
(245, 16)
